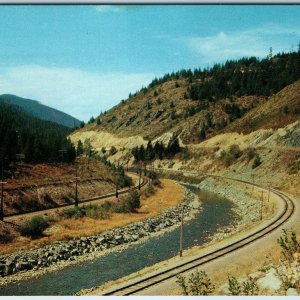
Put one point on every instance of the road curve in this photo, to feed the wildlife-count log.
(151, 280)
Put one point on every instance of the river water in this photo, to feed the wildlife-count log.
(216, 213)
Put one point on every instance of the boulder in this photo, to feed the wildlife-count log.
(292, 292)
(270, 282)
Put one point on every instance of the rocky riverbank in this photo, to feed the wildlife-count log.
(36, 262)
(247, 208)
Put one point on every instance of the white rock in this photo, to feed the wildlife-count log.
(270, 281)
(292, 292)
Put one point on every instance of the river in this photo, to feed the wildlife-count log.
(216, 213)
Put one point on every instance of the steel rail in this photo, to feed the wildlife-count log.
(143, 183)
(166, 274)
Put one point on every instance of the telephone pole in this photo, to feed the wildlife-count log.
(117, 185)
(262, 204)
(2, 194)
(181, 233)
(140, 177)
(76, 186)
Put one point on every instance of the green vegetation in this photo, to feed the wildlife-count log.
(92, 211)
(118, 171)
(198, 283)
(289, 244)
(158, 151)
(231, 155)
(34, 228)
(128, 204)
(246, 76)
(149, 190)
(257, 161)
(246, 288)
(294, 165)
(40, 111)
(234, 286)
(39, 140)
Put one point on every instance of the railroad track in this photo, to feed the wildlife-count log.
(151, 280)
(143, 183)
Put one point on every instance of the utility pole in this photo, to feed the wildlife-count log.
(140, 177)
(262, 204)
(117, 193)
(252, 175)
(181, 233)
(76, 186)
(2, 195)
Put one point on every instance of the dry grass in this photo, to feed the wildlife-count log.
(169, 195)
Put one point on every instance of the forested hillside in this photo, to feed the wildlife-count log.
(38, 140)
(198, 104)
(38, 110)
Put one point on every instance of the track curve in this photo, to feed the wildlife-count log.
(143, 183)
(144, 283)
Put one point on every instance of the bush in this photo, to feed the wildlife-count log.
(234, 286)
(250, 287)
(198, 284)
(132, 202)
(73, 212)
(149, 190)
(232, 154)
(92, 211)
(257, 162)
(113, 150)
(34, 227)
(250, 153)
(289, 244)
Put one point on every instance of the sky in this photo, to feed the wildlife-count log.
(84, 59)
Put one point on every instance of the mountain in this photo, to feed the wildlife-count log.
(38, 140)
(197, 105)
(36, 109)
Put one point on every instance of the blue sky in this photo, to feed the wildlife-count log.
(85, 59)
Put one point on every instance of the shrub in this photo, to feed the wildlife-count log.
(250, 153)
(289, 244)
(182, 283)
(149, 190)
(257, 162)
(113, 150)
(198, 284)
(235, 151)
(234, 286)
(73, 212)
(250, 287)
(232, 154)
(132, 202)
(34, 227)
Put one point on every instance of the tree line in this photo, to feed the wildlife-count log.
(159, 150)
(245, 76)
(38, 140)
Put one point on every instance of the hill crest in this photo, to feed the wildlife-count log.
(37, 109)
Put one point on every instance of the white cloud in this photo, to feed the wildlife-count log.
(255, 42)
(76, 92)
(110, 8)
